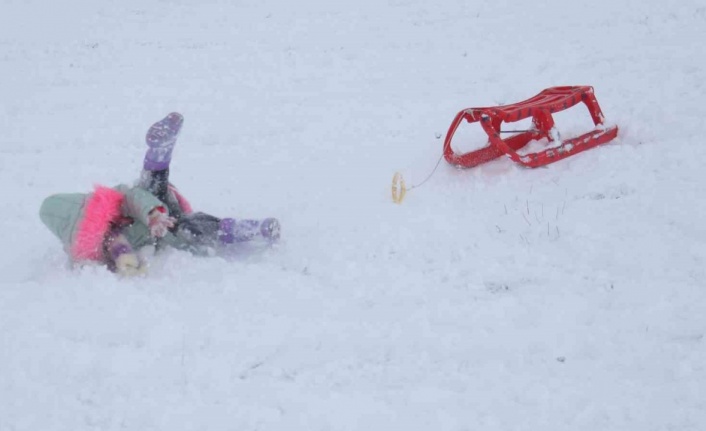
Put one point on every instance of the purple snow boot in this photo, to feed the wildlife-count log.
(231, 230)
(269, 229)
(161, 138)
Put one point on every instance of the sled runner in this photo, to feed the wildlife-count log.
(540, 108)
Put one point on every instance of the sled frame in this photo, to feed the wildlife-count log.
(540, 108)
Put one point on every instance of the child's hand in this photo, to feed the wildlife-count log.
(160, 222)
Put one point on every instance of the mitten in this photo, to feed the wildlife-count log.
(130, 265)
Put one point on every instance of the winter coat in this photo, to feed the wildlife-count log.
(81, 220)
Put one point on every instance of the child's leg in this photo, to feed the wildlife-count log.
(198, 229)
(161, 139)
(156, 182)
(239, 230)
(206, 230)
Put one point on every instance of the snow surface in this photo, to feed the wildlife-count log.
(570, 297)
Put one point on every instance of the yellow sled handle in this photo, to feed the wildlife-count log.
(399, 189)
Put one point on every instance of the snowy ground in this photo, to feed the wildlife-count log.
(565, 298)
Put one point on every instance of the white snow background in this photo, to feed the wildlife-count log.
(571, 297)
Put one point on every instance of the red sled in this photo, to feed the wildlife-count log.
(540, 108)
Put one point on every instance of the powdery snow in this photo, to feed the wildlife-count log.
(569, 297)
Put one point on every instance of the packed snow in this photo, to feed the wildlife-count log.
(570, 297)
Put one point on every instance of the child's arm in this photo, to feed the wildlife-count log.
(145, 208)
(139, 203)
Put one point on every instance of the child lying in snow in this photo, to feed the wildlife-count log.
(110, 224)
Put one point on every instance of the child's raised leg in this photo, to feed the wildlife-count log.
(161, 139)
